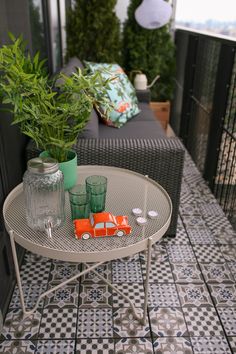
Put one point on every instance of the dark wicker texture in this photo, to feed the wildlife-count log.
(160, 159)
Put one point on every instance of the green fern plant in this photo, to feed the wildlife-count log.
(53, 119)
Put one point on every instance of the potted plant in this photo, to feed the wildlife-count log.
(52, 118)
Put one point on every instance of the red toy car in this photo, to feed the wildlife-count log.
(101, 224)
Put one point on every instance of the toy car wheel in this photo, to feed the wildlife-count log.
(86, 236)
(120, 233)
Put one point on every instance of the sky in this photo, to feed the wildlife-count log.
(202, 10)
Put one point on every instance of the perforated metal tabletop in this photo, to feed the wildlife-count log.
(125, 191)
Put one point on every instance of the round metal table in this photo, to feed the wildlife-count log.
(125, 190)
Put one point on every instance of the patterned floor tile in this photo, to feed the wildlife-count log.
(15, 327)
(193, 294)
(232, 342)
(223, 294)
(173, 345)
(133, 257)
(208, 253)
(125, 325)
(164, 295)
(210, 345)
(228, 318)
(202, 321)
(158, 254)
(55, 347)
(224, 235)
(32, 257)
(95, 295)
(159, 272)
(95, 346)
(126, 272)
(135, 293)
(58, 323)
(186, 273)
(193, 221)
(211, 209)
(216, 273)
(232, 267)
(229, 252)
(217, 223)
(94, 323)
(17, 347)
(63, 271)
(103, 269)
(167, 322)
(201, 236)
(35, 272)
(31, 293)
(180, 253)
(181, 238)
(64, 296)
(133, 345)
(190, 209)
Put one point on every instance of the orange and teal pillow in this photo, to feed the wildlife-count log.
(121, 93)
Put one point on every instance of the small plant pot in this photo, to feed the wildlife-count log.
(68, 168)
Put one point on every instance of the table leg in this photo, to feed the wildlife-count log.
(142, 319)
(18, 278)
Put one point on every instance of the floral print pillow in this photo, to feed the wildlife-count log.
(121, 93)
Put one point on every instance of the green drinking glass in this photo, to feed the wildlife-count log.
(96, 187)
(79, 202)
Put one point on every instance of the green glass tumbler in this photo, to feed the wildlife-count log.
(79, 202)
(96, 187)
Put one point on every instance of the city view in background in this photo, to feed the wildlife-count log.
(207, 15)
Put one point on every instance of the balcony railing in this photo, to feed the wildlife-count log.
(204, 109)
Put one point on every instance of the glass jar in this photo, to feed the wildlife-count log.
(44, 194)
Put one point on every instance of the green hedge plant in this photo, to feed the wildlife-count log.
(93, 31)
(52, 119)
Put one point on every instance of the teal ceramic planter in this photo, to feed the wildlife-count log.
(68, 168)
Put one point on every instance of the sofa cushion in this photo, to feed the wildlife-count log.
(121, 93)
(142, 126)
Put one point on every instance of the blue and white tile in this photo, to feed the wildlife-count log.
(228, 318)
(223, 294)
(103, 269)
(216, 273)
(181, 345)
(95, 323)
(66, 295)
(163, 295)
(232, 267)
(224, 235)
(31, 293)
(181, 254)
(181, 238)
(232, 342)
(93, 295)
(55, 347)
(193, 221)
(63, 271)
(211, 209)
(37, 272)
(158, 254)
(126, 272)
(190, 209)
(229, 252)
(210, 345)
(201, 236)
(187, 273)
(194, 294)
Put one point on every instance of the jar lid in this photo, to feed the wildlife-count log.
(43, 165)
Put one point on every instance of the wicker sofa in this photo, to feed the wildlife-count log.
(140, 145)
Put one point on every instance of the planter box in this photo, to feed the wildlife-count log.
(162, 112)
